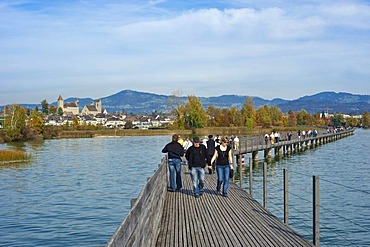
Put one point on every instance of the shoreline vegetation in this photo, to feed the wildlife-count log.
(155, 132)
(8, 156)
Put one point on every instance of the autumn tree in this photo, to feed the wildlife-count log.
(249, 113)
(292, 119)
(34, 126)
(220, 118)
(351, 121)
(235, 117)
(263, 116)
(276, 116)
(178, 110)
(211, 112)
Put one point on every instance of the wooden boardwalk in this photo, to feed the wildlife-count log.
(213, 220)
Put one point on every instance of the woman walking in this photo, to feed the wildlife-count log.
(224, 162)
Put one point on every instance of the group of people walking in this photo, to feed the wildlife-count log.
(198, 156)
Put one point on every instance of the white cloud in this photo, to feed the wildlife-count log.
(151, 46)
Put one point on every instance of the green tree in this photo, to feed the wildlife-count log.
(304, 118)
(128, 124)
(15, 124)
(60, 111)
(249, 113)
(337, 120)
(195, 115)
(45, 107)
(365, 120)
(52, 110)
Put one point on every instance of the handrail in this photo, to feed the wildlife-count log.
(144, 213)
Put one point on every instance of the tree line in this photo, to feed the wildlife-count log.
(23, 124)
(192, 114)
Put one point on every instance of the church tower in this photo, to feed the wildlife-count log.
(99, 105)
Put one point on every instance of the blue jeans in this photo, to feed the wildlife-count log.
(174, 165)
(223, 173)
(197, 177)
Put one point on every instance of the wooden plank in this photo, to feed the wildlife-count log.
(213, 220)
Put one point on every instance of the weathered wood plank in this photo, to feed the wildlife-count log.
(213, 220)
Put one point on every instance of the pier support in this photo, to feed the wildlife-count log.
(268, 153)
(255, 155)
(289, 149)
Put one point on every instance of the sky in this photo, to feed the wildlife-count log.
(270, 49)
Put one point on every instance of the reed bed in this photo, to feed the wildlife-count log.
(9, 155)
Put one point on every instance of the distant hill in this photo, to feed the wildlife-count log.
(130, 101)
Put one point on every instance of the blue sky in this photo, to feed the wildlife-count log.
(271, 49)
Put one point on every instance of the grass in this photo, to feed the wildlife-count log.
(10, 156)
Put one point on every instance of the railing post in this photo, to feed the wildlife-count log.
(286, 215)
(250, 176)
(316, 211)
(240, 172)
(264, 184)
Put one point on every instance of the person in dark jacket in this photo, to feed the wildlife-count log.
(175, 152)
(211, 145)
(197, 156)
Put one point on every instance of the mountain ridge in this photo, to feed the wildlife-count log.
(136, 102)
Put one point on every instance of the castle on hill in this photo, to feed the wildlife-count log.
(72, 108)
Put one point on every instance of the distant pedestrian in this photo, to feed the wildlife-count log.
(175, 152)
(267, 137)
(197, 158)
(224, 163)
(180, 140)
(187, 144)
(211, 145)
(236, 143)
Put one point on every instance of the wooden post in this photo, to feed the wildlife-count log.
(250, 176)
(316, 211)
(264, 184)
(240, 173)
(286, 215)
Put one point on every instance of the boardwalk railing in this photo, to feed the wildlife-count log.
(142, 224)
(253, 144)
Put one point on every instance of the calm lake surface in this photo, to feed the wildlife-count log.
(76, 192)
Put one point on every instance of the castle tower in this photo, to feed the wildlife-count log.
(60, 102)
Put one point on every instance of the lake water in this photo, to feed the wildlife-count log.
(75, 192)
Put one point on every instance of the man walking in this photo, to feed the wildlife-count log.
(197, 157)
(175, 152)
